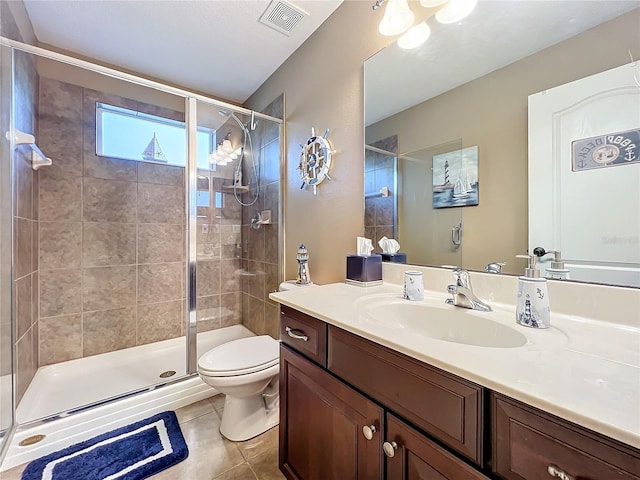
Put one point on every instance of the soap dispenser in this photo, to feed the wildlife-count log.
(557, 270)
(532, 303)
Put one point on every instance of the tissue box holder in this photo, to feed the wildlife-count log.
(364, 271)
(398, 257)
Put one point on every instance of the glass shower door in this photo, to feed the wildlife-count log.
(6, 339)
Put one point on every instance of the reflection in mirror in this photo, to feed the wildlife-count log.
(466, 82)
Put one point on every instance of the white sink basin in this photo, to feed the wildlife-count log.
(433, 318)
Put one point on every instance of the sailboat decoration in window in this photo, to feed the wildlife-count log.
(153, 152)
(315, 160)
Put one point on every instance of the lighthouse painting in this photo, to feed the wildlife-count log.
(455, 178)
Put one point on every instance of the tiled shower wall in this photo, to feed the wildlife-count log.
(111, 235)
(379, 172)
(261, 247)
(25, 208)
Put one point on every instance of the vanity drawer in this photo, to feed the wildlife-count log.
(447, 407)
(527, 442)
(304, 333)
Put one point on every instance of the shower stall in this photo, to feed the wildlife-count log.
(140, 227)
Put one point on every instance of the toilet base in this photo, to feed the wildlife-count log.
(245, 418)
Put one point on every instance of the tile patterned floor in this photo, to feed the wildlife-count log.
(212, 457)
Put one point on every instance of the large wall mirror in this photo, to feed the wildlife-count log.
(452, 116)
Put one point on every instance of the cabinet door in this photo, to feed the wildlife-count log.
(412, 456)
(529, 444)
(321, 425)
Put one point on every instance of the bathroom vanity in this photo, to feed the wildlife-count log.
(358, 404)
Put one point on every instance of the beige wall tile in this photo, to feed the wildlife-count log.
(160, 174)
(60, 197)
(272, 320)
(253, 314)
(230, 309)
(256, 279)
(272, 281)
(108, 244)
(60, 99)
(63, 339)
(35, 297)
(24, 183)
(160, 321)
(60, 244)
(23, 250)
(208, 313)
(23, 305)
(60, 292)
(109, 201)
(256, 244)
(108, 330)
(62, 140)
(229, 276)
(108, 287)
(109, 168)
(160, 203)
(270, 158)
(25, 366)
(160, 243)
(160, 282)
(208, 277)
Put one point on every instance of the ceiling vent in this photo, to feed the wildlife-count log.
(282, 16)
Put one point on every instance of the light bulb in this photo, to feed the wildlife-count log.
(226, 147)
(397, 19)
(455, 10)
(432, 3)
(415, 36)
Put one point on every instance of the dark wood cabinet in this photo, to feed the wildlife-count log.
(529, 444)
(415, 457)
(448, 407)
(433, 425)
(321, 425)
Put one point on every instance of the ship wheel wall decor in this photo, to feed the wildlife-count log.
(315, 160)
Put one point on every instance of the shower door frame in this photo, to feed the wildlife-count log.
(191, 100)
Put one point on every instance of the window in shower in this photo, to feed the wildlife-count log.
(131, 135)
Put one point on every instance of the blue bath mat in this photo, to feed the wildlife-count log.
(133, 452)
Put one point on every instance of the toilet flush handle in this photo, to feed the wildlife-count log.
(294, 334)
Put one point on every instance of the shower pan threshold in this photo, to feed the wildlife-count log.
(69, 402)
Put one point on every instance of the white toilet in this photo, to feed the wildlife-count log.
(243, 369)
(246, 371)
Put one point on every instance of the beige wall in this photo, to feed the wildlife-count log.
(323, 83)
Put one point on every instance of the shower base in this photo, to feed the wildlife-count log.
(71, 387)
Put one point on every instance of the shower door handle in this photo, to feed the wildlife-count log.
(456, 235)
(294, 334)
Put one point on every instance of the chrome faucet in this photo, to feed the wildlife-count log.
(462, 295)
(494, 267)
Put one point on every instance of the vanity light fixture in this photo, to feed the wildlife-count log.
(415, 36)
(455, 10)
(397, 18)
(224, 153)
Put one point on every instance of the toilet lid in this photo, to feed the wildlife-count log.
(239, 357)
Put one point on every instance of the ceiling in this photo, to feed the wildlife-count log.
(214, 46)
(496, 34)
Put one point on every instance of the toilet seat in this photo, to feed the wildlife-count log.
(240, 357)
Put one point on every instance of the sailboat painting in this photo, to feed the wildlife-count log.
(455, 178)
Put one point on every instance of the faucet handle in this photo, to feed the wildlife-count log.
(462, 278)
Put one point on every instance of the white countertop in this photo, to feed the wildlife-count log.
(583, 370)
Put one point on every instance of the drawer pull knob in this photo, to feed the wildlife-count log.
(296, 334)
(557, 473)
(389, 448)
(368, 431)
